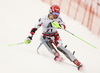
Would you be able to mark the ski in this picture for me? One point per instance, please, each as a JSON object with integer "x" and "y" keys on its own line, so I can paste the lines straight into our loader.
{"x": 80, "y": 67}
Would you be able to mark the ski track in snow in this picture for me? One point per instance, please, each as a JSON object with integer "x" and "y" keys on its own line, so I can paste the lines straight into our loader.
{"x": 17, "y": 17}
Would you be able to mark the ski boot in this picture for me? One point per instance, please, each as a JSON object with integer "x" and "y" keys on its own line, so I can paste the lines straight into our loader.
{"x": 78, "y": 64}
{"x": 58, "y": 57}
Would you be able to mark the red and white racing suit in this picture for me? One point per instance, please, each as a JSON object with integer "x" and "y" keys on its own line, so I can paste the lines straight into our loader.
{"x": 48, "y": 31}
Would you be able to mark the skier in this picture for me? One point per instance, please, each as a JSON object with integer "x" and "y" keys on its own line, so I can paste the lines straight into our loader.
{"x": 52, "y": 35}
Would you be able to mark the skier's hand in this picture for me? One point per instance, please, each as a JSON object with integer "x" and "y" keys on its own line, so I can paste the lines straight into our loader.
{"x": 28, "y": 40}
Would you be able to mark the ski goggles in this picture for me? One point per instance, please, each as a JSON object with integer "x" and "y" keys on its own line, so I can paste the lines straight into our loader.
{"x": 55, "y": 13}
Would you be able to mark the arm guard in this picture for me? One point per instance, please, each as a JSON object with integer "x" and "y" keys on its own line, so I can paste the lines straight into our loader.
{"x": 32, "y": 32}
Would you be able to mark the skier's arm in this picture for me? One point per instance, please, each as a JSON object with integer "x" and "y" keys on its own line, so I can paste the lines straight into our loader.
{"x": 61, "y": 23}
{"x": 63, "y": 26}
{"x": 32, "y": 32}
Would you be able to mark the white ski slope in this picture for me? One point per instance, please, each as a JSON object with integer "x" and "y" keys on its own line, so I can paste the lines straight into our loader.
{"x": 17, "y": 17}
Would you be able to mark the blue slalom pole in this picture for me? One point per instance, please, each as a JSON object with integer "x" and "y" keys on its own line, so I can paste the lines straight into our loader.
{"x": 40, "y": 45}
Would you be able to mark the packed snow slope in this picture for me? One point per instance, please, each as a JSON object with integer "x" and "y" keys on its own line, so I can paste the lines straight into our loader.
{"x": 17, "y": 17}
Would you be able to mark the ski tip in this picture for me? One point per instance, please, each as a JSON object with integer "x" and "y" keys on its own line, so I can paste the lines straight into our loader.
{"x": 80, "y": 67}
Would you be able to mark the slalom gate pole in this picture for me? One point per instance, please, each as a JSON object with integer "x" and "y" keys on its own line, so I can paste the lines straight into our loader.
{"x": 56, "y": 25}
{"x": 16, "y": 44}
{"x": 40, "y": 45}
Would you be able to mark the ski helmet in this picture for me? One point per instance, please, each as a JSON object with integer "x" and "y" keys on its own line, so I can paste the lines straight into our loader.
{"x": 55, "y": 10}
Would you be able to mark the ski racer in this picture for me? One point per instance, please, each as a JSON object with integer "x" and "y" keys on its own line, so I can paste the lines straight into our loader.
{"x": 52, "y": 35}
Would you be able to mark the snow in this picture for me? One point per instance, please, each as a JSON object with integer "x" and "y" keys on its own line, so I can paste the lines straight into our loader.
{"x": 17, "y": 17}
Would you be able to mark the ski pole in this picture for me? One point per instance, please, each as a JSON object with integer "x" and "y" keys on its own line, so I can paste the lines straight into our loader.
{"x": 80, "y": 38}
{"x": 56, "y": 25}
{"x": 16, "y": 44}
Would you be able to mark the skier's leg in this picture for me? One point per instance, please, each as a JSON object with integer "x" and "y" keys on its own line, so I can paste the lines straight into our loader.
{"x": 70, "y": 56}
{"x": 67, "y": 53}
{"x": 49, "y": 46}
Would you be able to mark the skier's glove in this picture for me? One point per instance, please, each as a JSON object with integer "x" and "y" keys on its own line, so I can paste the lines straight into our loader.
{"x": 28, "y": 40}
{"x": 56, "y": 25}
